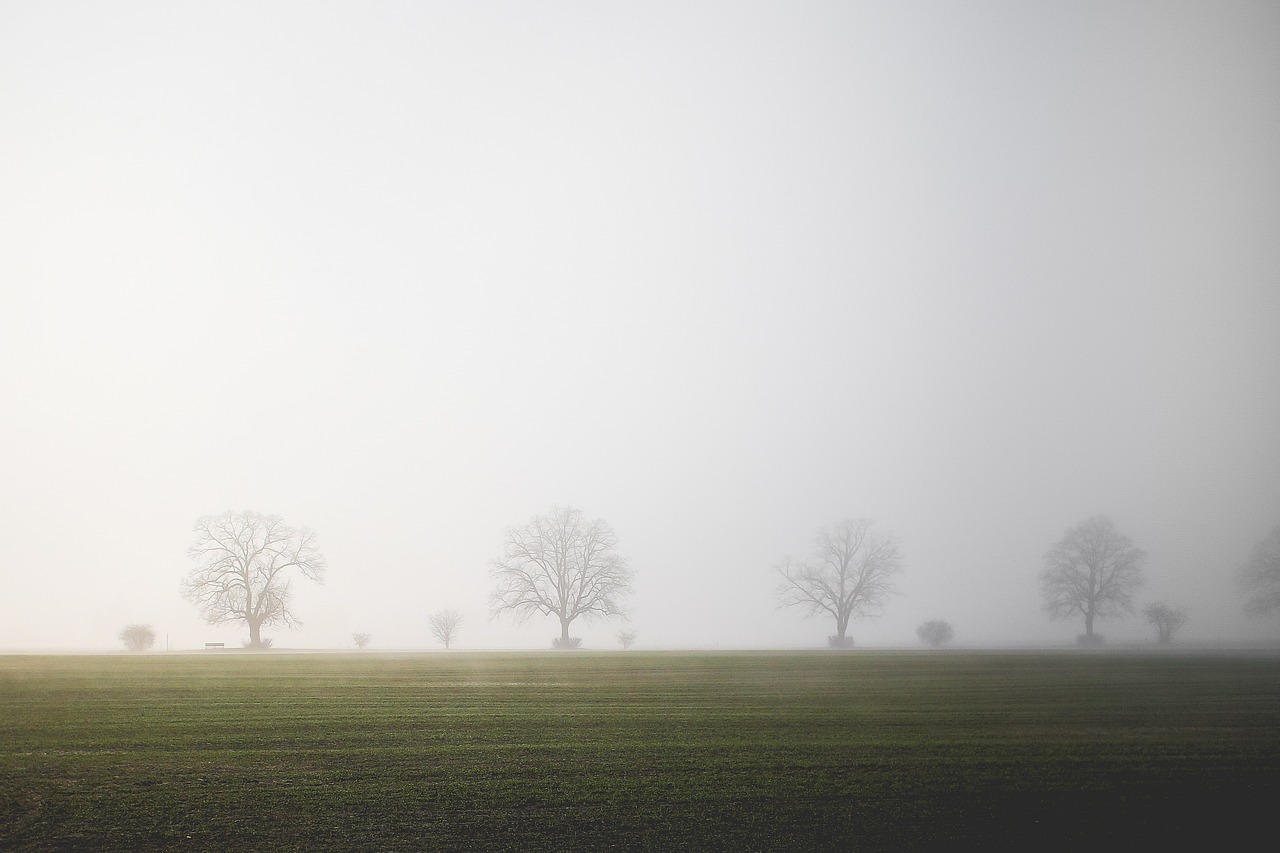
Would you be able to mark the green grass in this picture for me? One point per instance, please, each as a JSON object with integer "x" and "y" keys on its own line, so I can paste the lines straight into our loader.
{"x": 665, "y": 751}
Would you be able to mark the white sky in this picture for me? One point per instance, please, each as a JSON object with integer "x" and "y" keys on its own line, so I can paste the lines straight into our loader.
{"x": 718, "y": 273}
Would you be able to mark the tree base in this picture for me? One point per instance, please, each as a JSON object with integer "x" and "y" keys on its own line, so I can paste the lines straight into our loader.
{"x": 1091, "y": 640}
{"x": 834, "y": 642}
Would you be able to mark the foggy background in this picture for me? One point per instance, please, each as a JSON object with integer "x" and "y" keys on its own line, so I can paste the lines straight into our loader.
{"x": 719, "y": 273}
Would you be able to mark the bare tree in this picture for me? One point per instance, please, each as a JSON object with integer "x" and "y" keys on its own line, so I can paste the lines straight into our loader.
{"x": 935, "y": 632}
{"x": 244, "y": 563}
{"x": 1166, "y": 619}
{"x": 626, "y": 639}
{"x": 361, "y": 639}
{"x": 445, "y": 624}
{"x": 1092, "y": 571}
{"x": 850, "y": 574}
{"x": 1259, "y": 577}
{"x": 561, "y": 565}
{"x": 138, "y": 638}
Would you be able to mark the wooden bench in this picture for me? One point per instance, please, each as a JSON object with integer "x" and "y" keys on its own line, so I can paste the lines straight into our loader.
{"x": 208, "y": 646}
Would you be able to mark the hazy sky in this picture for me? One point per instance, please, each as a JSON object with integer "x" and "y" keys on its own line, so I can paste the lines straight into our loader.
{"x": 719, "y": 273}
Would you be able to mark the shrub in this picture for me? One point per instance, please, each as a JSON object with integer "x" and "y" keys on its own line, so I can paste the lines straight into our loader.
{"x": 571, "y": 643}
{"x": 1091, "y": 639}
{"x": 837, "y": 642}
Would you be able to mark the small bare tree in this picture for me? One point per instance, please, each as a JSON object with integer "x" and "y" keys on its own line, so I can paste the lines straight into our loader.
{"x": 850, "y": 574}
{"x": 935, "y": 632}
{"x": 445, "y": 624}
{"x": 1260, "y": 576}
{"x": 361, "y": 639}
{"x": 138, "y": 638}
{"x": 561, "y": 565}
{"x": 1166, "y": 619}
{"x": 1092, "y": 571}
{"x": 626, "y": 639}
{"x": 244, "y": 562}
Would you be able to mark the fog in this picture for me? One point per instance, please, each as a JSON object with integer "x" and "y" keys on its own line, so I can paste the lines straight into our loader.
{"x": 717, "y": 273}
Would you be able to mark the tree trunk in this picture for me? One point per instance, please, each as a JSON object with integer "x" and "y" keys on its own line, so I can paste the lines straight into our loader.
{"x": 564, "y": 633}
{"x": 1088, "y": 623}
{"x": 255, "y": 634}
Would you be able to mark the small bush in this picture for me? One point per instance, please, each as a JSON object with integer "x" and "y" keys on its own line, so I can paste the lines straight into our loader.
{"x": 838, "y": 642}
{"x": 261, "y": 647}
{"x": 571, "y": 643}
{"x": 1091, "y": 639}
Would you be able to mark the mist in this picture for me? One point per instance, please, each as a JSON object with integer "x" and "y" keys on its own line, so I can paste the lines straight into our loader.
{"x": 717, "y": 273}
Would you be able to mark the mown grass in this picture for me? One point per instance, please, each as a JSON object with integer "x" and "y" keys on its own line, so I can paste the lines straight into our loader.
{"x": 663, "y": 751}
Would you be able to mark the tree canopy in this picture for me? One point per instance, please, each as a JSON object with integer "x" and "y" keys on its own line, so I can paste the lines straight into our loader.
{"x": 1260, "y": 575}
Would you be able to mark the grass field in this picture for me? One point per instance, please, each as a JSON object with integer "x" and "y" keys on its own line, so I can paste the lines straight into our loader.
{"x": 661, "y": 751}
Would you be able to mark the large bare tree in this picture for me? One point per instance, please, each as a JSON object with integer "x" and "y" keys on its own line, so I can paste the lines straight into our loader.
{"x": 1093, "y": 572}
{"x": 1260, "y": 575}
{"x": 850, "y": 574}
{"x": 560, "y": 564}
{"x": 245, "y": 562}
